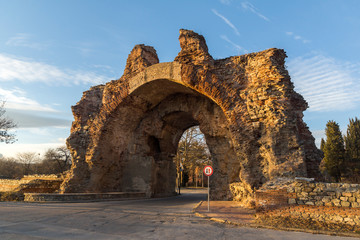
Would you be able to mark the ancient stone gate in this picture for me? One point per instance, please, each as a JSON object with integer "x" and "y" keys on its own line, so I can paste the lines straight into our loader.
{"x": 126, "y": 132}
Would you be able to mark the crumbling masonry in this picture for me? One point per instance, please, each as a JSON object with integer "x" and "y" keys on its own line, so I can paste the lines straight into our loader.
{"x": 126, "y": 132}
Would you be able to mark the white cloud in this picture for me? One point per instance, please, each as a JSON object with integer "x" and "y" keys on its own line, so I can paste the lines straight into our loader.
{"x": 227, "y": 21}
{"x": 318, "y": 135}
{"x": 11, "y": 150}
{"x": 13, "y": 68}
{"x": 252, "y": 8}
{"x": 35, "y": 119}
{"x": 24, "y": 40}
{"x": 325, "y": 83}
{"x": 297, "y": 37}
{"x": 16, "y": 99}
{"x": 236, "y": 46}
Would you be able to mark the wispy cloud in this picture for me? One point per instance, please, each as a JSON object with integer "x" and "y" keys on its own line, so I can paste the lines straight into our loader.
{"x": 16, "y": 99}
{"x": 32, "y": 119}
{"x": 226, "y": 2}
{"x": 24, "y": 40}
{"x": 227, "y": 21}
{"x": 327, "y": 84}
{"x": 297, "y": 37}
{"x": 236, "y": 46}
{"x": 253, "y": 9}
{"x": 13, "y": 68}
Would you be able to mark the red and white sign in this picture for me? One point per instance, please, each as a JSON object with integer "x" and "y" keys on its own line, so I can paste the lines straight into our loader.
{"x": 208, "y": 171}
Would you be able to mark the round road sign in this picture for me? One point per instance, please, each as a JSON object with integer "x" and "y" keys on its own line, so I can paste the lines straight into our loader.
{"x": 208, "y": 171}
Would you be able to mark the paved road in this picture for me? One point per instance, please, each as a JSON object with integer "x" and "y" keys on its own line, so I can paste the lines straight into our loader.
{"x": 167, "y": 218}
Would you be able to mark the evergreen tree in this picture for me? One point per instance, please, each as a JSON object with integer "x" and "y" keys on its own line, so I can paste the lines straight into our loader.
{"x": 322, "y": 145}
{"x": 352, "y": 150}
{"x": 352, "y": 141}
{"x": 334, "y": 151}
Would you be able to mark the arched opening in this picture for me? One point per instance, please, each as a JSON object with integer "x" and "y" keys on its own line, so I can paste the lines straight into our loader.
{"x": 161, "y": 111}
{"x": 192, "y": 156}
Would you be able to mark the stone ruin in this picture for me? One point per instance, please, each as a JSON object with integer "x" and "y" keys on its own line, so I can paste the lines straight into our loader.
{"x": 126, "y": 132}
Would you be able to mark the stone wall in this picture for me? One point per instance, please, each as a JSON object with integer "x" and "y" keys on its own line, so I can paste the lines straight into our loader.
{"x": 325, "y": 194}
{"x": 303, "y": 203}
{"x": 304, "y": 191}
{"x": 8, "y": 185}
{"x": 334, "y": 219}
{"x": 31, "y": 183}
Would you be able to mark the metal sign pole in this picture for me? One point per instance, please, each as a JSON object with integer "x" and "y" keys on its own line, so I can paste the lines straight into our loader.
{"x": 208, "y": 193}
{"x": 208, "y": 171}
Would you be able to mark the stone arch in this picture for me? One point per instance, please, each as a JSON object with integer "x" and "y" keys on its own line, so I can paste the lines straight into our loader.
{"x": 245, "y": 106}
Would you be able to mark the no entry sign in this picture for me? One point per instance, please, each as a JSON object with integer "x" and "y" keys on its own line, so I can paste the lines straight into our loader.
{"x": 208, "y": 171}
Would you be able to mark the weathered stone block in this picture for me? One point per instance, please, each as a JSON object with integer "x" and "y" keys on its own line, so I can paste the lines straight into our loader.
{"x": 345, "y": 204}
{"x": 338, "y": 194}
{"x": 292, "y": 201}
{"x": 328, "y": 204}
{"x": 304, "y": 194}
{"x": 318, "y": 198}
{"x": 344, "y": 198}
{"x": 337, "y": 218}
{"x": 355, "y": 204}
{"x": 352, "y": 199}
{"x": 347, "y": 194}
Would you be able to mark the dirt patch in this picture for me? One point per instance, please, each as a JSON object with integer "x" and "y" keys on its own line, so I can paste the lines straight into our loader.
{"x": 226, "y": 211}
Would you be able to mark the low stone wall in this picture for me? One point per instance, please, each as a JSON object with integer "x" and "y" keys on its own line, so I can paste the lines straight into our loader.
{"x": 333, "y": 219}
{"x": 32, "y": 183}
{"x": 9, "y": 185}
{"x": 303, "y": 203}
{"x": 325, "y": 194}
{"x": 74, "y": 197}
{"x": 304, "y": 191}
{"x": 42, "y": 177}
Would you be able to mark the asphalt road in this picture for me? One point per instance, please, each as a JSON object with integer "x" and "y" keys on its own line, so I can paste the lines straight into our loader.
{"x": 166, "y": 218}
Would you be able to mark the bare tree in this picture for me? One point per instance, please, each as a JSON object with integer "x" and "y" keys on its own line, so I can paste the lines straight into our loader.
{"x": 9, "y": 168}
{"x": 65, "y": 155}
{"x": 6, "y": 124}
{"x": 192, "y": 155}
{"x": 56, "y": 160}
{"x": 28, "y": 159}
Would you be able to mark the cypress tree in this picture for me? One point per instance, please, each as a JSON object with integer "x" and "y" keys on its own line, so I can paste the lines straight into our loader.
{"x": 322, "y": 145}
{"x": 334, "y": 151}
{"x": 352, "y": 142}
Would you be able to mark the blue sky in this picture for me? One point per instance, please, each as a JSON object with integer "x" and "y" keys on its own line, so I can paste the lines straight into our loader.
{"x": 52, "y": 51}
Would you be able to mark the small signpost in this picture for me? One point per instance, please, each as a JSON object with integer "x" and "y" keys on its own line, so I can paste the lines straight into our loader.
{"x": 208, "y": 171}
